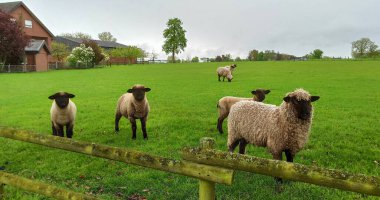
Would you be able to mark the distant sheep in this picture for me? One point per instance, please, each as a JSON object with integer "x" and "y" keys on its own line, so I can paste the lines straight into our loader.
{"x": 62, "y": 113}
{"x": 283, "y": 128}
{"x": 133, "y": 105}
{"x": 225, "y": 72}
{"x": 225, "y": 103}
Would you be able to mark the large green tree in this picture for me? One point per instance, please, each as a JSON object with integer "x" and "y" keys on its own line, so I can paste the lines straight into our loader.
{"x": 364, "y": 48}
{"x": 316, "y": 54}
{"x": 78, "y": 35}
{"x": 175, "y": 40}
{"x": 106, "y": 36}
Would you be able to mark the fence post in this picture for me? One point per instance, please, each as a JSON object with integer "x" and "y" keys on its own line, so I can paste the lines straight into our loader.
{"x": 9, "y": 68}
{"x": 207, "y": 188}
{"x": 2, "y": 191}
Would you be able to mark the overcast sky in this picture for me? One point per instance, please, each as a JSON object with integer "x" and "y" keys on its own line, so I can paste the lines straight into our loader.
{"x": 217, "y": 27}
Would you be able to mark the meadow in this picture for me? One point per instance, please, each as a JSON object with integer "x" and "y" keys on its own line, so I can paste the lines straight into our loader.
{"x": 345, "y": 132}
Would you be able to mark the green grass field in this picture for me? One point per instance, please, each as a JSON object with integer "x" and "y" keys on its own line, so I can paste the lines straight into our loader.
{"x": 345, "y": 132}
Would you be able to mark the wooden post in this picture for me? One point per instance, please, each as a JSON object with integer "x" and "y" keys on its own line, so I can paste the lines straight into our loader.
{"x": 2, "y": 196}
{"x": 206, "y": 188}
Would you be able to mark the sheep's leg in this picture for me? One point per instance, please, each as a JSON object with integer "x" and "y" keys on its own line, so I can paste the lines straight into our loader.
{"x": 289, "y": 155}
{"x": 53, "y": 128}
{"x": 233, "y": 145}
{"x": 143, "y": 127}
{"x": 223, "y": 78}
{"x": 220, "y": 122}
{"x": 242, "y": 145}
{"x": 218, "y": 78}
{"x": 117, "y": 119}
{"x": 60, "y": 131}
{"x": 277, "y": 156}
{"x": 69, "y": 130}
{"x": 134, "y": 127}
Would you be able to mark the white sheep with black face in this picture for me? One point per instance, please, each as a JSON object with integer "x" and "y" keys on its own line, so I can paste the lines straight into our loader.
{"x": 283, "y": 128}
{"x": 133, "y": 105}
{"x": 62, "y": 113}
{"x": 225, "y": 72}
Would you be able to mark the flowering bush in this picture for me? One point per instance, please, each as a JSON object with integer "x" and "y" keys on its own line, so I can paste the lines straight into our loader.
{"x": 81, "y": 54}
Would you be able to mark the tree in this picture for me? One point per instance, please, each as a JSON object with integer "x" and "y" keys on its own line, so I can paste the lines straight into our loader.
{"x": 77, "y": 35}
{"x": 81, "y": 54}
{"x": 253, "y": 55}
{"x": 59, "y": 51}
{"x": 195, "y": 59}
{"x": 175, "y": 40}
{"x": 238, "y": 59}
{"x": 153, "y": 55}
{"x": 99, "y": 56}
{"x": 363, "y": 48}
{"x": 12, "y": 40}
{"x": 106, "y": 36}
{"x": 316, "y": 54}
{"x": 218, "y": 59}
{"x": 130, "y": 52}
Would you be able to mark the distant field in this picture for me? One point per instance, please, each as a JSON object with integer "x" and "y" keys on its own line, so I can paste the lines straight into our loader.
{"x": 345, "y": 133}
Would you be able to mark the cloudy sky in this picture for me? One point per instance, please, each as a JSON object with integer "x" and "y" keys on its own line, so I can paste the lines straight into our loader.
{"x": 217, "y": 27}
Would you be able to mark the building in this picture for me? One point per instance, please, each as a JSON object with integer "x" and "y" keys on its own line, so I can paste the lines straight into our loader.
{"x": 38, "y": 51}
{"x": 107, "y": 45}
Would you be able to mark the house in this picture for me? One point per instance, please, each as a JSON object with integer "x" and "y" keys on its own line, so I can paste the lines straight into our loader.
{"x": 106, "y": 45}
{"x": 38, "y": 51}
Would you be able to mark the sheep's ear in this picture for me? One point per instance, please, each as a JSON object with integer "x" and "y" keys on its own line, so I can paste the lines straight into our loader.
{"x": 267, "y": 91}
{"x": 52, "y": 96}
{"x": 130, "y": 91}
{"x": 287, "y": 99}
{"x": 314, "y": 98}
{"x": 147, "y": 89}
{"x": 253, "y": 92}
{"x": 70, "y": 95}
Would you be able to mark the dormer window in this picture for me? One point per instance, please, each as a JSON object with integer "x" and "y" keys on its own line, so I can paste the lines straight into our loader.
{"x": 28, "y": 23}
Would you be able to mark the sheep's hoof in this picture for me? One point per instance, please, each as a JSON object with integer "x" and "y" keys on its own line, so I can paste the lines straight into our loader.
{"x": 279, "y": 188}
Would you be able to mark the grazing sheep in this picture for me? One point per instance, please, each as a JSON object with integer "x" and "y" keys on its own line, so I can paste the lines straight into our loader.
{"x": 62, "y": 113}
{"x": 225, "y": 103}
{"x": 225, "y": 72}
{"x": 283, "y": 128}
{"x": 133, "y": 105}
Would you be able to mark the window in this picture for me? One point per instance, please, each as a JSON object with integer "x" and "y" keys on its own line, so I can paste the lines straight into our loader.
{"x": 28, "y": 23}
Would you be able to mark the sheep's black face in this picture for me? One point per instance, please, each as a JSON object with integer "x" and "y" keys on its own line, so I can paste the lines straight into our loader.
{"x": 61, "y": 98}
{"x": 139, "y": 92}
{"x": 303, "y": 108}
{"x": 260, "y": 94}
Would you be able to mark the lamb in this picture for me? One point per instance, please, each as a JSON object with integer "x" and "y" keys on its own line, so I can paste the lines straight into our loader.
{"x": 225, "y": 103}
{"x": 283, "y": 128}
{"x": 62, "y": 113}
{"x": 226, "y": 72}
{"x": 133, "y": 105}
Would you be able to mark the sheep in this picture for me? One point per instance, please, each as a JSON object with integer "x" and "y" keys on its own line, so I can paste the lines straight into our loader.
{"x": 62, "y": 113}
{"x": 225, "y": 72}
{"x": 231, "y": 67}
{"x": 133, "y": 105}
{"x": 225, "y": 103}
{"x": 283, "y": 128}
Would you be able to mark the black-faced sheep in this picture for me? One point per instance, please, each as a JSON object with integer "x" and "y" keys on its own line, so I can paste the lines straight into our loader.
{"x": 225, "y": 72}
{"x": 62, "y": 113}
{"x": 133, "y": 105}
{"x": 283, "y": 128}
{"x": 225, "y": 103}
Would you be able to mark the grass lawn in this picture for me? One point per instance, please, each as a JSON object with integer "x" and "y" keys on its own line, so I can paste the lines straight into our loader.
{"x": 345, "y": 132}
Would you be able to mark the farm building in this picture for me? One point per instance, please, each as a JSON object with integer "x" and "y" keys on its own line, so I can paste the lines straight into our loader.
{"x": 38, "y": 51}
{"x": 106, "y": 45}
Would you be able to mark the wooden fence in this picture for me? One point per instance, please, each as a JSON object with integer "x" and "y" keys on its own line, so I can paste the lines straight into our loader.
{"x": 206, "y": 164}
{"x": 17, "y": 68}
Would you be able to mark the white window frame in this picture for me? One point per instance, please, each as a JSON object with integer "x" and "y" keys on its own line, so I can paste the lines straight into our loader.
{"x": 27, "y": 24}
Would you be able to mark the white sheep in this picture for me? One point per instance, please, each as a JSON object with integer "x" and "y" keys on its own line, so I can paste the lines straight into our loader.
{"x": 283, "y": 128}
{"x": 225, "y": 103}
{"x": 62, "y": 113}
{"x": 133, "y": 105}
{"x": 225, "y": 72}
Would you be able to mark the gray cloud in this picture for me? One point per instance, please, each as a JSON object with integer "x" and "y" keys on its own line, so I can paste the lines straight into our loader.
{"x": 224, "y": 26}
